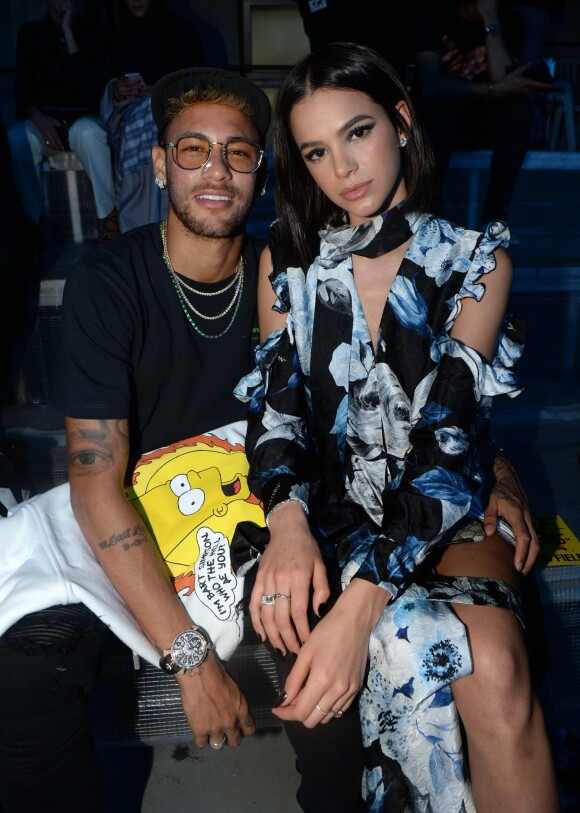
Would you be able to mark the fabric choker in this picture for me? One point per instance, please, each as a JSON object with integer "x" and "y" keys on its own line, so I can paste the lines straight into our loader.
{"x": 370, "y": 239}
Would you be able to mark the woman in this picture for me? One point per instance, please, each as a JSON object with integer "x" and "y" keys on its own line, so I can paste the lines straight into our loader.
{"x": 367, "y": 440}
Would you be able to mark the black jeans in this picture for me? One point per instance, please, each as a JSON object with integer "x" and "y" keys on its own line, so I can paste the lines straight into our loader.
{"x": 458, "y": 122}
{"x": 329, "y": 759}
{"x": 47, "y": 759}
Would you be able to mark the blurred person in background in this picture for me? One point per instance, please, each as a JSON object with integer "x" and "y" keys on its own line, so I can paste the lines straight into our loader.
{"x": 472, "y": 94}
{"x": 60, "y": 73}
{"x": 147, "y": 42}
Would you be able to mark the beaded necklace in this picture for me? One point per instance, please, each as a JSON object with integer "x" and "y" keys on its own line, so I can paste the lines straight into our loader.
{"x": 184, "y": 301}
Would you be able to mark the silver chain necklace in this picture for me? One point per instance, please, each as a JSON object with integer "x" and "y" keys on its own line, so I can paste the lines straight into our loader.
{"x": 184, "y": 301}
{"x": 233, "y": 281}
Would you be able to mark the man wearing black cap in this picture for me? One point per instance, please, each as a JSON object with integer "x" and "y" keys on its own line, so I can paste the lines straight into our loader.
{"x": 158, "y": 328}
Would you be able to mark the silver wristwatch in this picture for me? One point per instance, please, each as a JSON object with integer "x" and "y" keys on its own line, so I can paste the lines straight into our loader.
{"x": 188, "y": 651}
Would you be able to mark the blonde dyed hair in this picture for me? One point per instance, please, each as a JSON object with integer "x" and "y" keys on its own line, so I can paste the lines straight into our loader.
{"x": 208, "y": 96}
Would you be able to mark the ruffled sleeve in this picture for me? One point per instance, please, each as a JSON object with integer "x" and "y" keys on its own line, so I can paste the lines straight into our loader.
{"x": 277, "y": 443}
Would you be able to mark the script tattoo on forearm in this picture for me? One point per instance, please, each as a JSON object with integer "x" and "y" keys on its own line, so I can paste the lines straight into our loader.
{"x": 127, "y": 539}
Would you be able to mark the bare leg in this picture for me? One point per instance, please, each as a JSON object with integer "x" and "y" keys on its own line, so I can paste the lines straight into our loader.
{"x": 509, "y": 754}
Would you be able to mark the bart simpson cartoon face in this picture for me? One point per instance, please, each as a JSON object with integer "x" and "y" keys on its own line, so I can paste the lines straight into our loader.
{"x": 177, "y": 496}
{"x": 190, "y": 490}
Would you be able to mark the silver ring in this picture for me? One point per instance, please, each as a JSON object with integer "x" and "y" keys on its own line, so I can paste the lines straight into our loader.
{"x": 283, "y": 595}
{"x": 269, "y": 600}
{"x": 217, "y": 746}
{"x": 338, "y": 712}
{"x": 322, "y": 710}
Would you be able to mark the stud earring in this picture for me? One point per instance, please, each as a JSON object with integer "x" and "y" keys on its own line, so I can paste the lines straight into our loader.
{"x": 160, "y": 183}
{"x": 403, "y": 141}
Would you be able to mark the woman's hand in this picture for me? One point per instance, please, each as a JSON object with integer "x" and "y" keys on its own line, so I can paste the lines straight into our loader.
{"x": 290, "y": 565}
{"x": 330, "y": 667}
{"x": 508, "y": 500}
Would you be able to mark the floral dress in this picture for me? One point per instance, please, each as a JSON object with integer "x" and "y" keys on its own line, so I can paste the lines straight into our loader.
{"x": 388, "y": 448}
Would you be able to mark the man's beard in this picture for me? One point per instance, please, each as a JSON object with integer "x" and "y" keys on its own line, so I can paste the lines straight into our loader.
{"x": 208, "y": 226}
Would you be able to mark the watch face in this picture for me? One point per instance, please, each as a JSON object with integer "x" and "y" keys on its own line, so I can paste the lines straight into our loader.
{"x": 189, "y": 649}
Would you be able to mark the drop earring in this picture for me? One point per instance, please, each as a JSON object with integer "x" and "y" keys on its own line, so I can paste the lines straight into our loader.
{"x": 403, "y": 141}
{"x": 160, "y": 183}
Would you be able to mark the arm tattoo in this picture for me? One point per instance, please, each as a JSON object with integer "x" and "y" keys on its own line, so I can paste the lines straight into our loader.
{"x": 129, "y": 538}
{"x": 92, "y": 448}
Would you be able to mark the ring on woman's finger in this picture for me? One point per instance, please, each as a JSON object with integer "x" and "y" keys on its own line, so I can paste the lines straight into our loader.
{"x": 283, "y": 595}
{"x": 269, "y": 600}
{"x": 217, "y": 746}
{"x": 337, "y": 712}
{"x": 322, "y": 710}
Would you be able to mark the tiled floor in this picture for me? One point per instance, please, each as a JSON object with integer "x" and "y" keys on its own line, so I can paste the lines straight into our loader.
{"x": 258, "y": 776}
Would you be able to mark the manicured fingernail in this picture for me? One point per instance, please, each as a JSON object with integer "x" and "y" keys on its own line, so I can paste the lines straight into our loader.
{"x": 280, "y": 699}
{"x": 519, "y": 566}
{"x": 259, "y": 637}
{"x": 280, "y": 654}
{"x": 321, "y": 609}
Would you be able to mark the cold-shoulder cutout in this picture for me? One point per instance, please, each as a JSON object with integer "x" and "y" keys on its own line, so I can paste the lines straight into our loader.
{"x": 269, "y": 318}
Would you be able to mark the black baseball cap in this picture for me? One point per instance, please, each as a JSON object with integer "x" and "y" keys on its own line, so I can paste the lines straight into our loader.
{"x": 175, "y": 84}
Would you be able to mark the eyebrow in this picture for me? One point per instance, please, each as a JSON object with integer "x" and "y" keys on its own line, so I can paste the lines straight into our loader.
{"x": 346, "y": 126}
{"x": 195, "y": 134}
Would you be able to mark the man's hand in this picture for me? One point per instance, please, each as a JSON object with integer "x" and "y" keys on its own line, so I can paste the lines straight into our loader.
{"x": 48, "y": 127}
{"x": 508, "y": 500}
{"x": 289, "y": 567}
{"x": 214, "y": 705}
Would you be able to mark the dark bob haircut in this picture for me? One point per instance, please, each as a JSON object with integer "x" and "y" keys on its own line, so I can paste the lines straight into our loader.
{"x": 302, "y": 208}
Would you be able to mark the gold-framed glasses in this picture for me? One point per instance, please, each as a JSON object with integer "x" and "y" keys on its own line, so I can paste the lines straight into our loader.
{"x": 194, "y": 151}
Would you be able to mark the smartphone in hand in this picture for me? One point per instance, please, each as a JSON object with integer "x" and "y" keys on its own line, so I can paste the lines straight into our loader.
{"x": 134, "y": 77}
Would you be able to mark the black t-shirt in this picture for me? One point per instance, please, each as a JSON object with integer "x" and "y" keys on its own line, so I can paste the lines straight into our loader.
{"x": 128, "y": 350}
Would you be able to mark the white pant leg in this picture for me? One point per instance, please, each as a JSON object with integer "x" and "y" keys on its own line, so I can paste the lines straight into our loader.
{"x": 28, "y": 151}
{"x": 88, "y": 138}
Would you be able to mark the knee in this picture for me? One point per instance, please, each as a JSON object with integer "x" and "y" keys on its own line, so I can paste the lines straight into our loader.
{"x": 501, "y": 688}
{"x": 86, "y": 131}
{"x": 18, "y": 135}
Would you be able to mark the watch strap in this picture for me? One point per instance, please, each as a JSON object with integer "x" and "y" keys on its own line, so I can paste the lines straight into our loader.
{"x": 169, "y": 665}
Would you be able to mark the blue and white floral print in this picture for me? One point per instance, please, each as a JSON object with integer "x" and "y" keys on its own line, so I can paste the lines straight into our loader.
{"x": 391, "y": 433}
{"x": 416, "y": 650}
